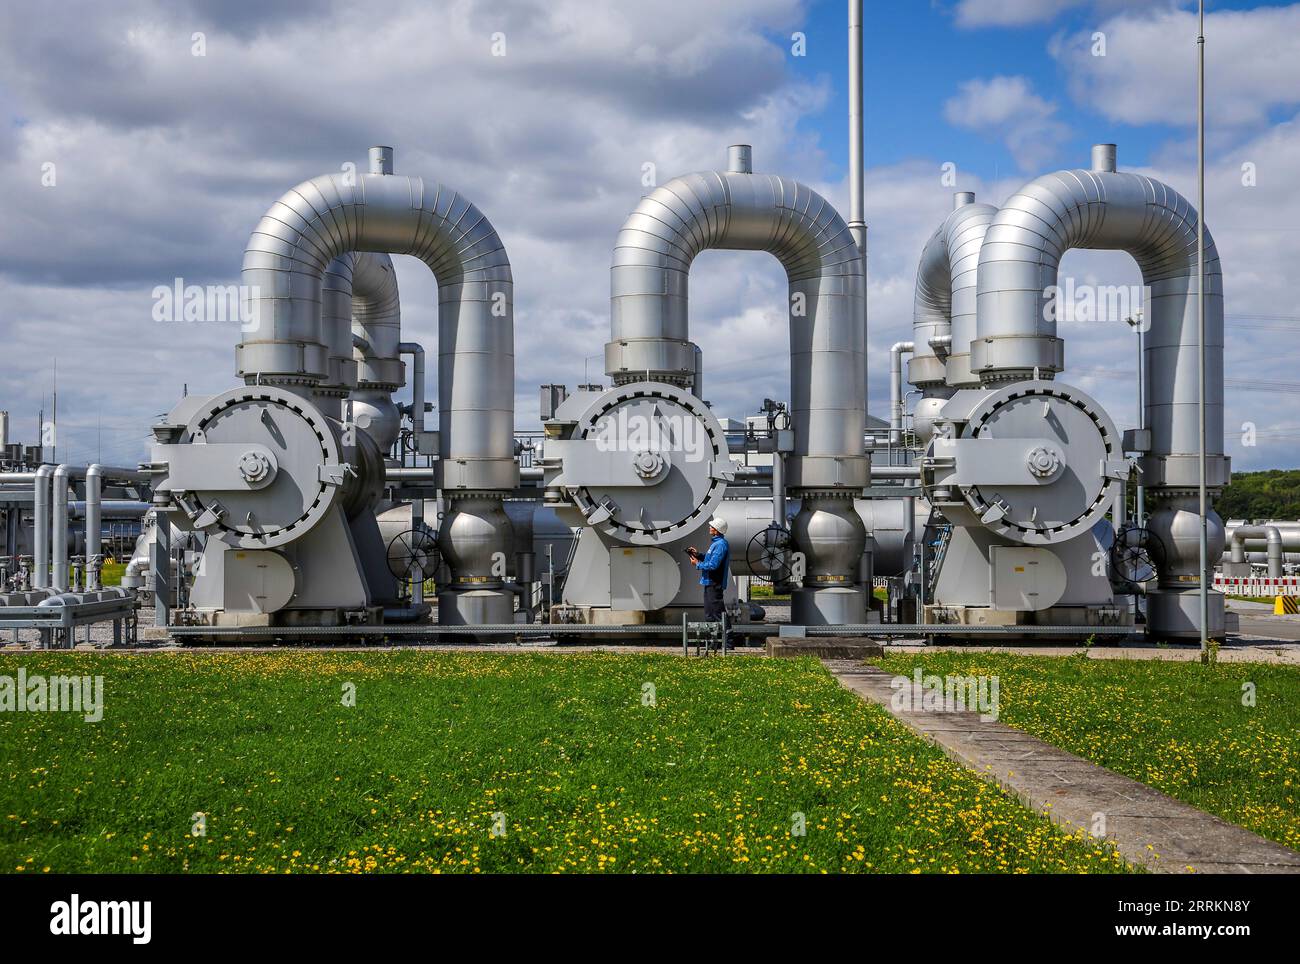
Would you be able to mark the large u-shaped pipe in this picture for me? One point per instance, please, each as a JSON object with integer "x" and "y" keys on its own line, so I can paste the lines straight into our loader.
{"x": 1237, "y": 544}
{"x": 896, "y": 407}
{"x": 1107, "y": 209}
{"x": 283, "y": 275}
{"x": 1103, "y": 208}
{"x": 740, "y": 210}
{"x": 285, "y": 265}
{"x": 943, "y": 312}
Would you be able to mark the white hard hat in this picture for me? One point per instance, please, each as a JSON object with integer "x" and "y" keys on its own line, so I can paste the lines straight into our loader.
{"x": 719, "y": 524}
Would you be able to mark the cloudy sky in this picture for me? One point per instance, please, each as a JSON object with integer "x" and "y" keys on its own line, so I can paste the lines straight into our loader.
{"x": 141, "y": 140}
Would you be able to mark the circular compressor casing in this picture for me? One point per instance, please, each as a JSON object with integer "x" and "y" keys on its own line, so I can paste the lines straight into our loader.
{"x": 677, "y": 464}
{"x": 270, "y": 505}
{"x": 1046, "y": 472}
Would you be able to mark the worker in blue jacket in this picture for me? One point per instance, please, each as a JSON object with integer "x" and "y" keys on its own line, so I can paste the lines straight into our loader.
{"x": 714, "y": 567}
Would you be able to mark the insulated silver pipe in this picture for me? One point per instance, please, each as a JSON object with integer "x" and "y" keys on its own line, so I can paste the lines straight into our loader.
{"x": 63, "y": 477}
{"x": 94, "y": 529}
{"x": 361, "y": 314}
{"x": 284, "y": 267}
{"x": 95, "y": 474}
{"x": 896, "y": 352}
{"x": 931, "y": 311}
{"x": 1237, "y": 543}
{"x": 416, "y": 351}
{"x": 1018, "y": 271}
{"x": 945, "y": 300}
{"x": 895, "y": 472}
{"x": 41, "y": 527}
{"x": 1018, "y": 295}
{"x": 1016, "y": 337}
{"x": 758, "y": 212}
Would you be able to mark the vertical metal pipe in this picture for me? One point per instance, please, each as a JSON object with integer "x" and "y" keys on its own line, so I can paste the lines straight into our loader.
{"x": 1104, "y": 158}
{"x": 381, "y": 160}
{"x": 740, "y": 159}
{"x": 62, "y": 477}
{"x": 41, "y": 527}
{"x": 857, "y": 166}
{"x": 896, "y": 352}
{"x": 778, "y": 487}
{"x": 1200, "y": 327}
{"x": 417, "y": 425}
{"x": 94, "y": 492}
{"x": 416, "y": 351}
{"x": 1140, "y": 516}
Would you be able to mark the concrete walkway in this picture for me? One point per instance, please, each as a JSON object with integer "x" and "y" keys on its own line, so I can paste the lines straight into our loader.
{"x": 1236, "y": 650}
{"x": 1149, "y": 828}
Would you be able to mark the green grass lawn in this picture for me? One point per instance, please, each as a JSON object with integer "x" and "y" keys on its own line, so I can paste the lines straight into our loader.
{"x": 110, "y": 573}
{"x": 559, "y": 750}
{"x": 1176, "y": 725}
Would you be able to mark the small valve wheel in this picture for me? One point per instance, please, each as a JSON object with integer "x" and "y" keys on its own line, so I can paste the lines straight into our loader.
{"x": 648, "y": 464}
{"x": 1044, "y": 462}
{"x": 254, "y": 467}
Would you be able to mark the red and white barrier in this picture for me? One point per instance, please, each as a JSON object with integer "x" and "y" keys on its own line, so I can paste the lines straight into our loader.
{"x": 1257, "y": 585}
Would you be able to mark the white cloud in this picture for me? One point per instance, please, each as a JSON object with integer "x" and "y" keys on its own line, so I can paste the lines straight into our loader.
{"x": 1024, "y": 13}
{"x": 1007, "y": 108}
{"x": 1148, "y": 73}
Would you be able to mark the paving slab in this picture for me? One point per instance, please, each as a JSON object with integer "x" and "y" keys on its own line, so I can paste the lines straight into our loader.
{"x": 824, "y": 647}
{"x": 1148, "y": 827}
